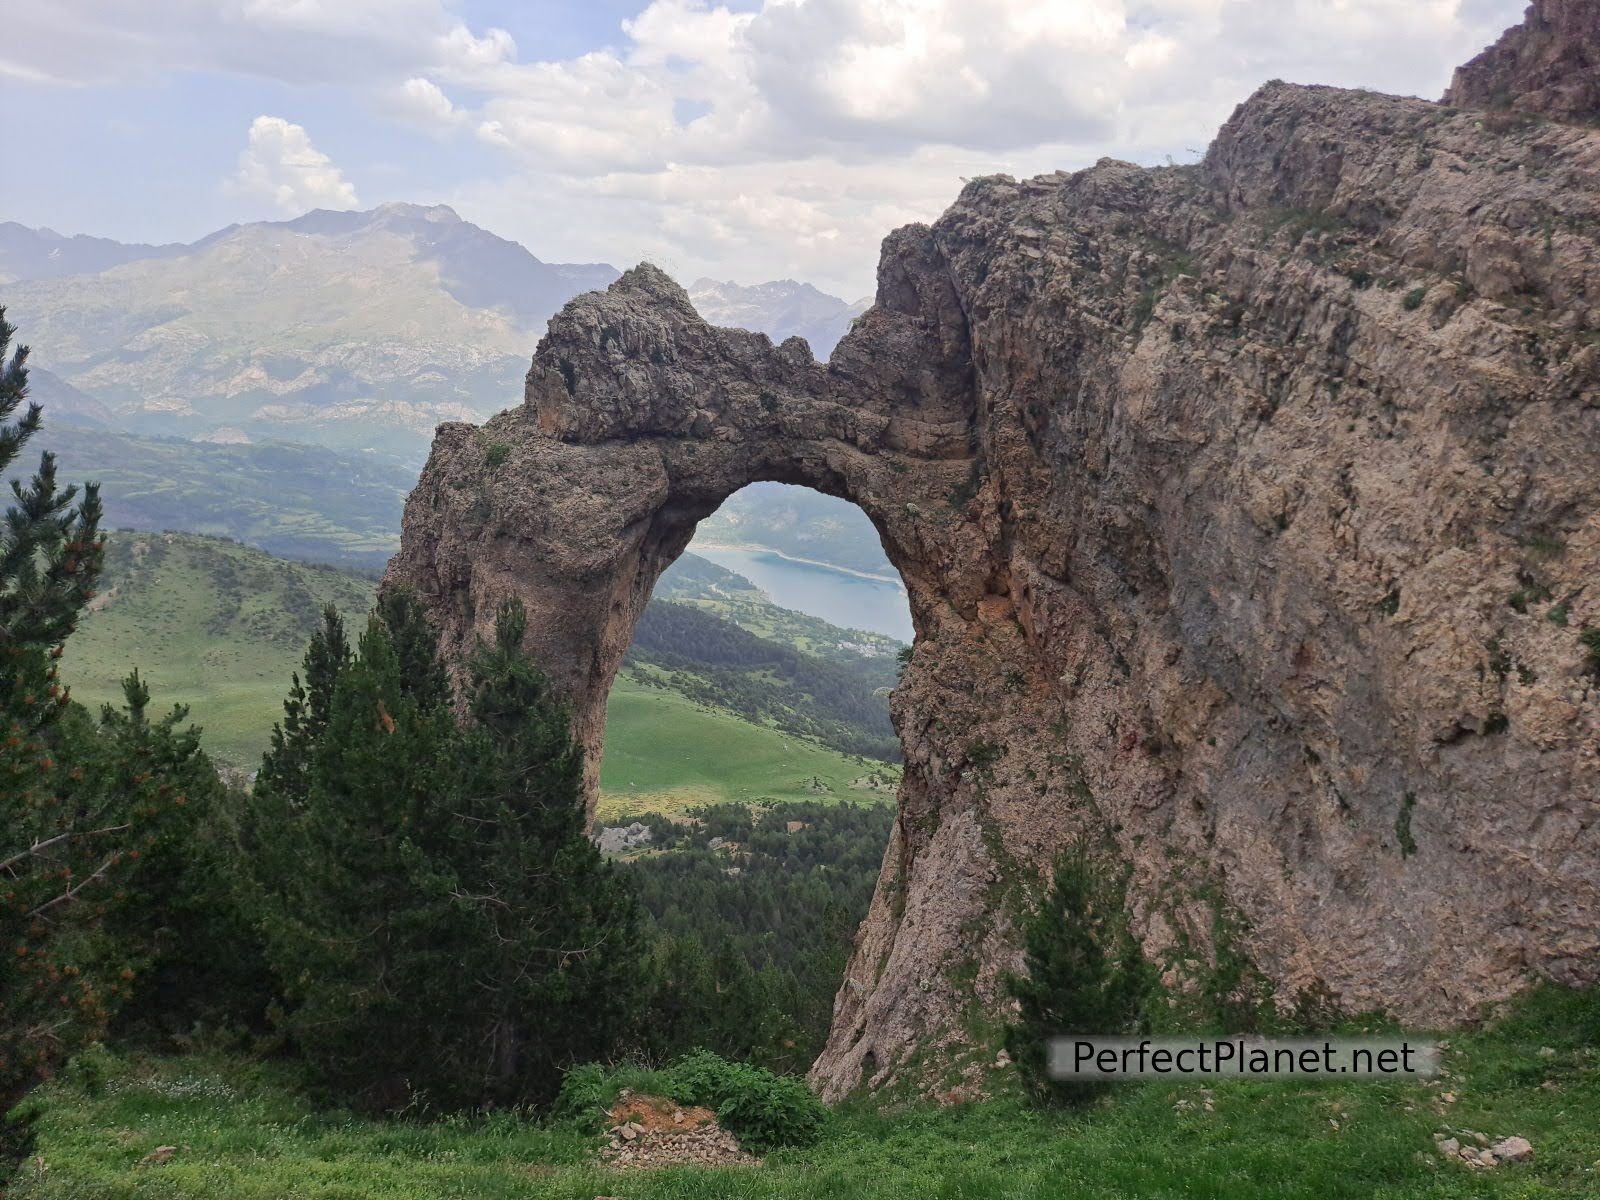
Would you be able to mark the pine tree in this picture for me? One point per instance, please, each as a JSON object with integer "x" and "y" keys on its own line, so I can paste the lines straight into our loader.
{"x": 360, "y": 925}
{"x": 82, "y": 807}
{"x": 416, "y": 646}
{"x": 443, "y": 931}
{"x": 285, "y": 766}
{"x": 50, "y": 557}
{"x": 56, "y": 844}
{"x": 1086, "y": 974}
{"x": 566, "y": 928}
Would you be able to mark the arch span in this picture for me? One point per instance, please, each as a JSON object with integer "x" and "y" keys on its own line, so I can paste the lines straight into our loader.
{"x": 639, "y": 421}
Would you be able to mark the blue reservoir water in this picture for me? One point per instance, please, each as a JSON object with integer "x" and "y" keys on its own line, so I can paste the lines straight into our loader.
{"x": 838, "y": 597}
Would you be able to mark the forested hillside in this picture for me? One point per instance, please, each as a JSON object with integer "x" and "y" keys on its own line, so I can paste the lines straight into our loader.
{"x": 291, "y": 500}
{"x": 757, "y": 909}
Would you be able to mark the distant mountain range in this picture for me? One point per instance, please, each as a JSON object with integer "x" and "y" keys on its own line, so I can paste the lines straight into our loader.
{"x": 347, "y": 330}
{"x": 780, "y": 310}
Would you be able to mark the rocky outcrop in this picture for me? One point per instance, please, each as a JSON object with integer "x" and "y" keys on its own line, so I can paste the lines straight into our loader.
{"x": 1250, "y": 518}
{"x": 1550, "y": 64}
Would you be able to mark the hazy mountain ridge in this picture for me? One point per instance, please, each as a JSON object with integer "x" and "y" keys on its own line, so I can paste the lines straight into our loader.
{"x": 353, "y": 330}
{"x": 780, "y": 309}
{"x": 27, "y": 253}
{"x": 360, "y": 329}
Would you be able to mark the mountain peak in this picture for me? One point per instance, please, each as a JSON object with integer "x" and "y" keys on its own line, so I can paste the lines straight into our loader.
{"x": 779, "y": 308}
{"x": 441, "y": 213}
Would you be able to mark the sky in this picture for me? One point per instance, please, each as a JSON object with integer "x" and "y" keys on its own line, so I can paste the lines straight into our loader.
{"x": 750, "y": 141}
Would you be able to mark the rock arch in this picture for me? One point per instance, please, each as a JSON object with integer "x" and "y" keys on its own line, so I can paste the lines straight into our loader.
{"x": 640, "y": 420}
{"x": 1208, "y": 545}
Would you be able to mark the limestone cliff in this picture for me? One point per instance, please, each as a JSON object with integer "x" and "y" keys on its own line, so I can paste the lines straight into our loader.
{"x": 1250, "y": 516}
{"x": 1549, "y": 64}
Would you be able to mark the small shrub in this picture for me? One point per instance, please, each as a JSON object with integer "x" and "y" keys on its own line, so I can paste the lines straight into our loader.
{"x": 1414, "y": 298}
{"x": 762, "y": 1109}
{"x": 1590, "y": 637}
{"x": 1402, "y": 825}
{"x": 962, "y": 494}
{"x": 1499, "y": 657}
{"x": 1086, "y": 975}
{"x": 1528, "y": 593}
{"x": 581, "y": 1100}
{"x": 984, "y": 754}
{"x": 495, "y": 456}
{"x": 1543, "y": 545}
{"x": 1557, "y": 615}
{"x": 92, "y": 1067}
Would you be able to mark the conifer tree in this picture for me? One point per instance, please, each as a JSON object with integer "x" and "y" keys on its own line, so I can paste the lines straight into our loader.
{"x": 57, "y": 844}
{"x": 1086, "y": 974}
{"x": 84, "y": 809}
{"x": 360, "y": 925}
{"x": 443, "y": 931}
{"x": 50, "y": 557}
{"x": 565, "y": 925}
{"x": 284, "y": 768}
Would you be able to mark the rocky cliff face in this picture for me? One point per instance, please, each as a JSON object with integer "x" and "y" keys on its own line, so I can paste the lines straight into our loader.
{"x": 1550, "y": 64}
{"x": 1248, "y": 513}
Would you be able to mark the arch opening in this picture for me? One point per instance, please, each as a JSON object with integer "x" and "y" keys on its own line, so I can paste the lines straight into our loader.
{"x": 761, "y": 665}
{"x": 749, "y": 762}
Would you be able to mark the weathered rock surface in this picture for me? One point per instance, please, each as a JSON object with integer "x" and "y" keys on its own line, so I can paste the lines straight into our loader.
{"x": 1249, "y": 514}
{"x": 1550, "y": 64}
{"x": 618, "y": 839}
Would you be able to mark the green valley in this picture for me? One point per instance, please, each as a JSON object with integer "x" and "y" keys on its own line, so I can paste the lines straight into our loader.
{"x": 666, "y": 753}
{"x": 210, "y": 624}
{"x": 220, "y": 627}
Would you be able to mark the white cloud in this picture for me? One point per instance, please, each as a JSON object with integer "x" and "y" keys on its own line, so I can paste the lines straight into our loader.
{"x": 786, "y": 139}
{"x": 360, "y": 42}
{"x": 281, "y": 164}
{"x": 422, "y": 102}
{"x": 462, "y": 52}
{"x": 821, "y": 124}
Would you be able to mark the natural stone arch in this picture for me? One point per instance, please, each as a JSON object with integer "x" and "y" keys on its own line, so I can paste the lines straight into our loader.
{"x": 599, "y": 487}
{"x": 1208, "y": 547}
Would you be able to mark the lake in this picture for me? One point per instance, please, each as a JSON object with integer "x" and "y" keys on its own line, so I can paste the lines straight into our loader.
{"x": 838, "y": 597}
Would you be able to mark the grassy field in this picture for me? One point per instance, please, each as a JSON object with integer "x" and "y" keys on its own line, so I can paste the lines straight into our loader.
{"x": 242, "y": 1131}
{"x": 221, "y": 627}
{"x": 664, "y": 753}
{"x": 211, "y": 624}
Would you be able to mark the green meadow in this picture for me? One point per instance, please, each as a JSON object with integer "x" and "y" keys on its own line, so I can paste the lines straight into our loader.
{"x": 665, "y": 753}
{"x": 244, "y": 1130}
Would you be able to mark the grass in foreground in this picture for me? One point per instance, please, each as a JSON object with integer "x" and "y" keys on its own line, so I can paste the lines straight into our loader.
{"x": 242, "y": 1132}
